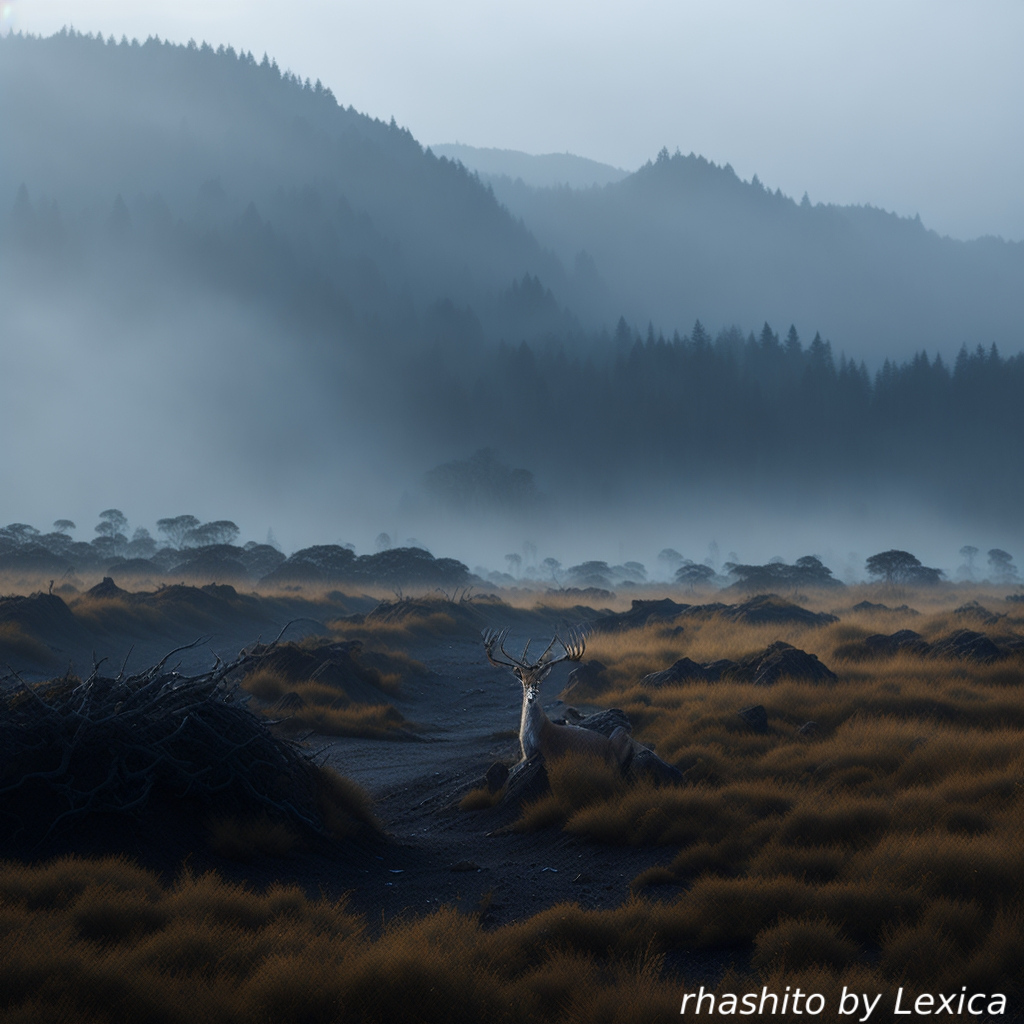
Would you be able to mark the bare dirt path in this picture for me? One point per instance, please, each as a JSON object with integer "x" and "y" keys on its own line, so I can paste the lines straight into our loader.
{"x": 439, "y": 854}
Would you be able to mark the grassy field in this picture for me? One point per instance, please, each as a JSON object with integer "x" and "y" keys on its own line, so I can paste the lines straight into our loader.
{"x": 888, "y": 840}
{"x": 883, "y": 848}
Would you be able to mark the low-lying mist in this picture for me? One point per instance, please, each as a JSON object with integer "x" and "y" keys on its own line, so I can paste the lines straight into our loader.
{"x": 236, "y": 299}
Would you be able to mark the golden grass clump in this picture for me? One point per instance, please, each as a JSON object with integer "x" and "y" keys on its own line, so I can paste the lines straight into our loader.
{"x": 481, "y": 798}
{"x": 793, "y": 945}
{"x": 326, "y": 709}
{"x": 370, "y": 721}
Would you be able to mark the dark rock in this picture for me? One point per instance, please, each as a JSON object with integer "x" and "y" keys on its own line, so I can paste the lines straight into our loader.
{"x": 967, "y": 645}
{"x": 590, "y": 674}
{"x": 496, "y": 776}
{"x": 290, "y": 701}
{"x": 465, "y": 865}
{"x": 774, "y": 610}
{"x": 717, "y": 669}
{"x": 646, "y": 763}
{"x": 880, "y": 645}
{"x": 642, "y": 613}
{"x": 756, "y": 717}
{"x": 977, "y": 613}
{"x": 607, "y": 721}
{"x": 573, "y": 716}
{"x": 783, "y": 661}
{"x": 869, "y": 606}
{"x": 683, "y": 671}
{"x": 527, "y": 781}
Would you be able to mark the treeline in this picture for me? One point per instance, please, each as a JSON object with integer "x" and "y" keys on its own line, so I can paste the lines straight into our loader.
{"x": 191, "y": 549}
{"x": 753, "y": 408}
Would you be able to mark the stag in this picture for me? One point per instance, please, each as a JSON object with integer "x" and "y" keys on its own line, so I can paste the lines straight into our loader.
{"x": 537, "y": 733}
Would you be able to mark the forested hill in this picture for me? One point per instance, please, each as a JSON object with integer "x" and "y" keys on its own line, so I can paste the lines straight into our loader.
{"x": 215, "y": 280}
{"x": 205, "y": 152}
{"x": 683, "y": 238}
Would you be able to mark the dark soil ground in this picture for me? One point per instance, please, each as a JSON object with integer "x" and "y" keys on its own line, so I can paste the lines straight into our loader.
{"x": 468, "y": 716}
{"x": 432, "y": 853}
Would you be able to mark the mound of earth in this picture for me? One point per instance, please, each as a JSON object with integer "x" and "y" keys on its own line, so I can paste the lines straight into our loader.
{"x": 44, "y": 618}
{"x": 642, "y": 613}
{"x": 774, "y": 610}
{"x": 323, "y": 661}
{"x": 880, "y": 645}
{"x": 764, "y": 609}
{"x": 870, "y": 606}
{"x": 967, "y": 645}
{"x": 683, "y": 671}
{"x": 107, "y": 588}
{"x": 589, "y": 674}
{"x": 976, "y": 612}
{"x": 409, "y": 612}
{"x": 778, "y": 661}
{"x": 783, "y": 661}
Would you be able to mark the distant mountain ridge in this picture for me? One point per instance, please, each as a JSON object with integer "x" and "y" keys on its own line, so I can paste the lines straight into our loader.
{"x": 403, "y": 239}
{"x": 546, "y": 170}
{"x": 683, "y": 238}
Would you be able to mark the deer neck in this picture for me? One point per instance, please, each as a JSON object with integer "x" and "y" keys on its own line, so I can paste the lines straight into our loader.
{"x": 533, "y": 722}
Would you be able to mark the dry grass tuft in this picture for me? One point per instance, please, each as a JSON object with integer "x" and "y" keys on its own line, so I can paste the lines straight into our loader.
{"x": 481, "y": 798}
{"x": 370, "y": 721}
{"x": 795, "y": 945}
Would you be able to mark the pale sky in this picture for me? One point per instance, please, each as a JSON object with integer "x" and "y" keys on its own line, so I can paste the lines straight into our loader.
{"x": 916, "y": 106}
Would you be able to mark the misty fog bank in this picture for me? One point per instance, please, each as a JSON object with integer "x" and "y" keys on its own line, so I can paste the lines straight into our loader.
{"x": 222, "y": 292}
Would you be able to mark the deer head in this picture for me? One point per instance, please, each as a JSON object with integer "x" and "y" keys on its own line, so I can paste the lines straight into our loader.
{"x": 532, "y": 673}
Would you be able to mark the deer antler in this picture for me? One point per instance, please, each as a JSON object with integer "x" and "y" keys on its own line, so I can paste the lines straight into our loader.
{"x": 574, "y": 645}
{"x": 572, "y": 650}
{"x": 492, "y": 637}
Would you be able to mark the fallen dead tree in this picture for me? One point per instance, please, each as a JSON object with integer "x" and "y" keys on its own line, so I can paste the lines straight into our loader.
{"x": 71, "y": 748}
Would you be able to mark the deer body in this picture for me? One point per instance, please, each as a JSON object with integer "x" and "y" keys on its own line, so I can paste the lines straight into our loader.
{"x": 537, "y": 733}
